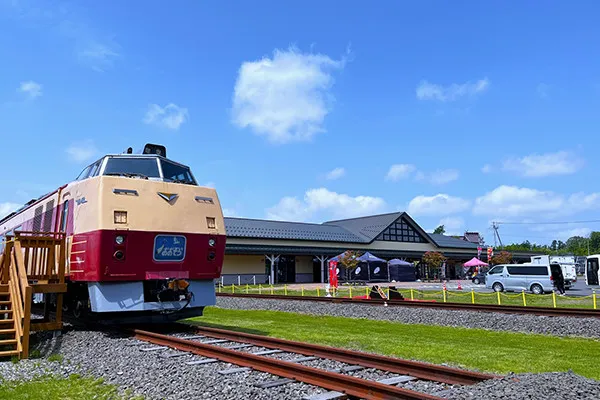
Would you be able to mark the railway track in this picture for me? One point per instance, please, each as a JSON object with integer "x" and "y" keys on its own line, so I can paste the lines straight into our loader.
{"x": 532, "y": 310}
{"x": 231, "y": 347}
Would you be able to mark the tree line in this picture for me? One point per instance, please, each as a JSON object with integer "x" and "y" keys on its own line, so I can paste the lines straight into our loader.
{"x": 575, "y": 245}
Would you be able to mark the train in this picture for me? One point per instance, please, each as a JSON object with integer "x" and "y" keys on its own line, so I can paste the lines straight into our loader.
{"x": 144, "y": 241}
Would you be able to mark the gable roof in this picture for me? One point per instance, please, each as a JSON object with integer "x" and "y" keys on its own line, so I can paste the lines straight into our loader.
{"x": 449, "y": 241}
{"x": 361, "y": 230}
{"x": 267, "y": 229}
{"x": 369, "y": 227}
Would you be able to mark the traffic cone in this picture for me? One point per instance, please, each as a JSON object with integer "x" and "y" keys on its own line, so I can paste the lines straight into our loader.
{"x": 459, "y": 286}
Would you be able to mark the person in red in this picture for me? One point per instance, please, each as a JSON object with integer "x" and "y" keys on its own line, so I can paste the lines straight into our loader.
{"x": 333, "y": 281}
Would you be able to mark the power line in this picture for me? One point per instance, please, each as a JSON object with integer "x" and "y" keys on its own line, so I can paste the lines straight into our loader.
{"x": 549, "y": 223}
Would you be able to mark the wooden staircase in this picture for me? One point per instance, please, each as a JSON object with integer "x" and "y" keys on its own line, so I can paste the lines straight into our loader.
{"x": 32, "y": 262}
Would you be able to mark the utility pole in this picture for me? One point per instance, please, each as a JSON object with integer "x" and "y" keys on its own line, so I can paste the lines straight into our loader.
{"x": 495, "y": 227}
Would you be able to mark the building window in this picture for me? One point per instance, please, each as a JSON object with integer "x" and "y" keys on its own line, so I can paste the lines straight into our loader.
{"x": 401, "y": 231}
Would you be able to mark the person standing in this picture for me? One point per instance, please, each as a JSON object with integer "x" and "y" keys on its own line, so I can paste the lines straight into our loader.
{"x": 559, "y": 278}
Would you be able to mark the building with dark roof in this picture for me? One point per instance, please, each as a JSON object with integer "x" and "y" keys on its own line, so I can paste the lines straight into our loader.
{"x": 259, "y": 250}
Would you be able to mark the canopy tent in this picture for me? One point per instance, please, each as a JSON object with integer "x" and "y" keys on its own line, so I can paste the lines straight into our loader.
{"x": 401, "y": 271}
{"x": 396, "y": 261}
{"x": 474, "y": 263}
{"x": 371, "y": 268}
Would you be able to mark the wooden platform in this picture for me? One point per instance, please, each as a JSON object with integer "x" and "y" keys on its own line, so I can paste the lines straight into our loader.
{"x": 32, "y": 262}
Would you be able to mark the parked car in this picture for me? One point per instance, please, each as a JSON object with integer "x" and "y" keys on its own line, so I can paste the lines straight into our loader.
{"x": 536, "y": 278}
{"x": 479, "y": 278}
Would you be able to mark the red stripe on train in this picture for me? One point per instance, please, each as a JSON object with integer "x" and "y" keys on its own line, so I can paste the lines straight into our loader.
{"x": 94, "y": 258}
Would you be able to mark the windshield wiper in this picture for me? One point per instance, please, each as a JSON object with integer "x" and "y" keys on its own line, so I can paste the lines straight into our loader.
{"x": 127, "y": 174}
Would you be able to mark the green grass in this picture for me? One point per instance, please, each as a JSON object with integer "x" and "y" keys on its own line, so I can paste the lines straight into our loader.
{"x": 496, "y": 352}
{"x": 51, "y": 388}
{"x": 455, "y": 296}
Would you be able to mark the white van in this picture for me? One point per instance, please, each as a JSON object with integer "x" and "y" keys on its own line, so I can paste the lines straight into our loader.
{"x": 536, "y": 278}
{"x": 567, "y": 264}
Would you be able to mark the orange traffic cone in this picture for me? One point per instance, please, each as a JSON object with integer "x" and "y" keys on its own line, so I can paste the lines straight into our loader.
{"x": 459, "y": 286}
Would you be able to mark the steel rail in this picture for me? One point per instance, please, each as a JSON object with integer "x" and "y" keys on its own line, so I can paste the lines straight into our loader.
{"x": 416, "y": 369}
{"x": 349, "y": 385}
{"x": 544, "y": 311}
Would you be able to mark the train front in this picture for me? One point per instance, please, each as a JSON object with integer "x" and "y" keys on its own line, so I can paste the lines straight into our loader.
{"x": 160, "y": 243}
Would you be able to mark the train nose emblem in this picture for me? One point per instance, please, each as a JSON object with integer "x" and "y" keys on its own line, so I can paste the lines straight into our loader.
{"x": 168, "y": 197}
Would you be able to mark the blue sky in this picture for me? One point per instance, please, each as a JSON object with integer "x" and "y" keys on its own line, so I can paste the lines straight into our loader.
{"x": 459, "y": 113}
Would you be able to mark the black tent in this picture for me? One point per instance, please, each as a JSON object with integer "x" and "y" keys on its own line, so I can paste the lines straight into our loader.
{"x": 401, "y": 271}
{"x": 375, "y": 268}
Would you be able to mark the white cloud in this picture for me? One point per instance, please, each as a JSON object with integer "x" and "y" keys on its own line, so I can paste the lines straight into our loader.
{"x": 441, "y": 177}
{"x": 324, "y": 201}
{"x": 98, "y": 56}
{"x": 539, "y": 165}
{"x": 209, "y": 184}
{"x": 452, "y": 225}
{"x": 566, "y": 234}
{"x": 31, "y": 89}
{"x": 336, "y": 173}
{"x": 486, "y": 169}
{"x": 400, "y": 171}
{"x": 81, "y": 152}
{"x": 7, "y": 208}
{"x": 284, "y": 98}
{"x": 229, "y": 212}
{"x": 431, "y": 91}
{"x": 440, "y": 204}
{"x": 511, "y": 201}
{"x": 438, "y": 177}
{"x": 171, "y": 116}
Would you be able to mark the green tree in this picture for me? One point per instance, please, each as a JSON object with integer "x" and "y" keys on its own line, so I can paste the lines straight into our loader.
{"x": 503, "y": 257}
{"x": 594, "y": 242}
{"x": 440, "y": 230}
{"x": 434, "y": 260}
{"x": 349, "y": 261}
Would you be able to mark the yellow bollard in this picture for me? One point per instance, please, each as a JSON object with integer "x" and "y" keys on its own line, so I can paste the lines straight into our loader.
{"x": 388, "y": 292}
{"x": 232, "y": 288}
{"x": 272, "y": 289}
{"x": 318, "y": 295}
{"x": 247, "y": 288}
{"x": 524, "y": 301}
{"x": 302, "y": 291}
{"x": 285, "y": 290}
{"x": 412, "y": 294}
{"x": 220, "y": 288}
{"x": 259, "y": 288}
{"x": 444, "y": 291}
{"x": 472, "y": 296}
{"x": 594, "y": 297}
{"x": 554, "y": 299}
{"x": 350, "y": 291}
{"x": 498, "y": 294}
{"x": 367, "y": 290}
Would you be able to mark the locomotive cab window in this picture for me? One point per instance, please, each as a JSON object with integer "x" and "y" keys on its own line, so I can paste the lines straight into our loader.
{"x": 176, "y": 173}
{"x": 132, "y": 166}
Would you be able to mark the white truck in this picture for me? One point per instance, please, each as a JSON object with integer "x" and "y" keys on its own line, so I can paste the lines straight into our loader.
{"x": 567, "y": 264}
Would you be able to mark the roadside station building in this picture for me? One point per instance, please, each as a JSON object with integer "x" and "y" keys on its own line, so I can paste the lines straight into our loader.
{"x": 293, "y": 252}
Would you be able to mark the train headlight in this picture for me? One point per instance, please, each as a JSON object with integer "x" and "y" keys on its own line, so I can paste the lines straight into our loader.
{"x": 119, "y": 240}
{"x": 211, "y": 242}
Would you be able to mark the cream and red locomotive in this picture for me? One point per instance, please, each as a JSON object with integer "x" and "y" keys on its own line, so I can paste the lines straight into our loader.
{"x": 144, "y": 240}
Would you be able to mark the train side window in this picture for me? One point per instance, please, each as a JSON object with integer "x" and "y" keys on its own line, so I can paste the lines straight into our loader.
{"x": 95, "y": 169}
{"x": 65, "y": 214}
{"x": 84, "y": 174}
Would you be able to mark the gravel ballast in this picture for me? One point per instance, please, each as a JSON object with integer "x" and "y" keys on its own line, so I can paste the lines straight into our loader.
{"x": 121, "y": 361}
{"x": 557, "y": 326}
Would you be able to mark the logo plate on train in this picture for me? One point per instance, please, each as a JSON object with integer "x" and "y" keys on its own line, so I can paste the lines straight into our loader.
{"x": 169, "y": 248}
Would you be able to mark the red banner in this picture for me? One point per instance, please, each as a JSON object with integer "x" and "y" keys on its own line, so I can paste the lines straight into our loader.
{"x": 333, "y": 279}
